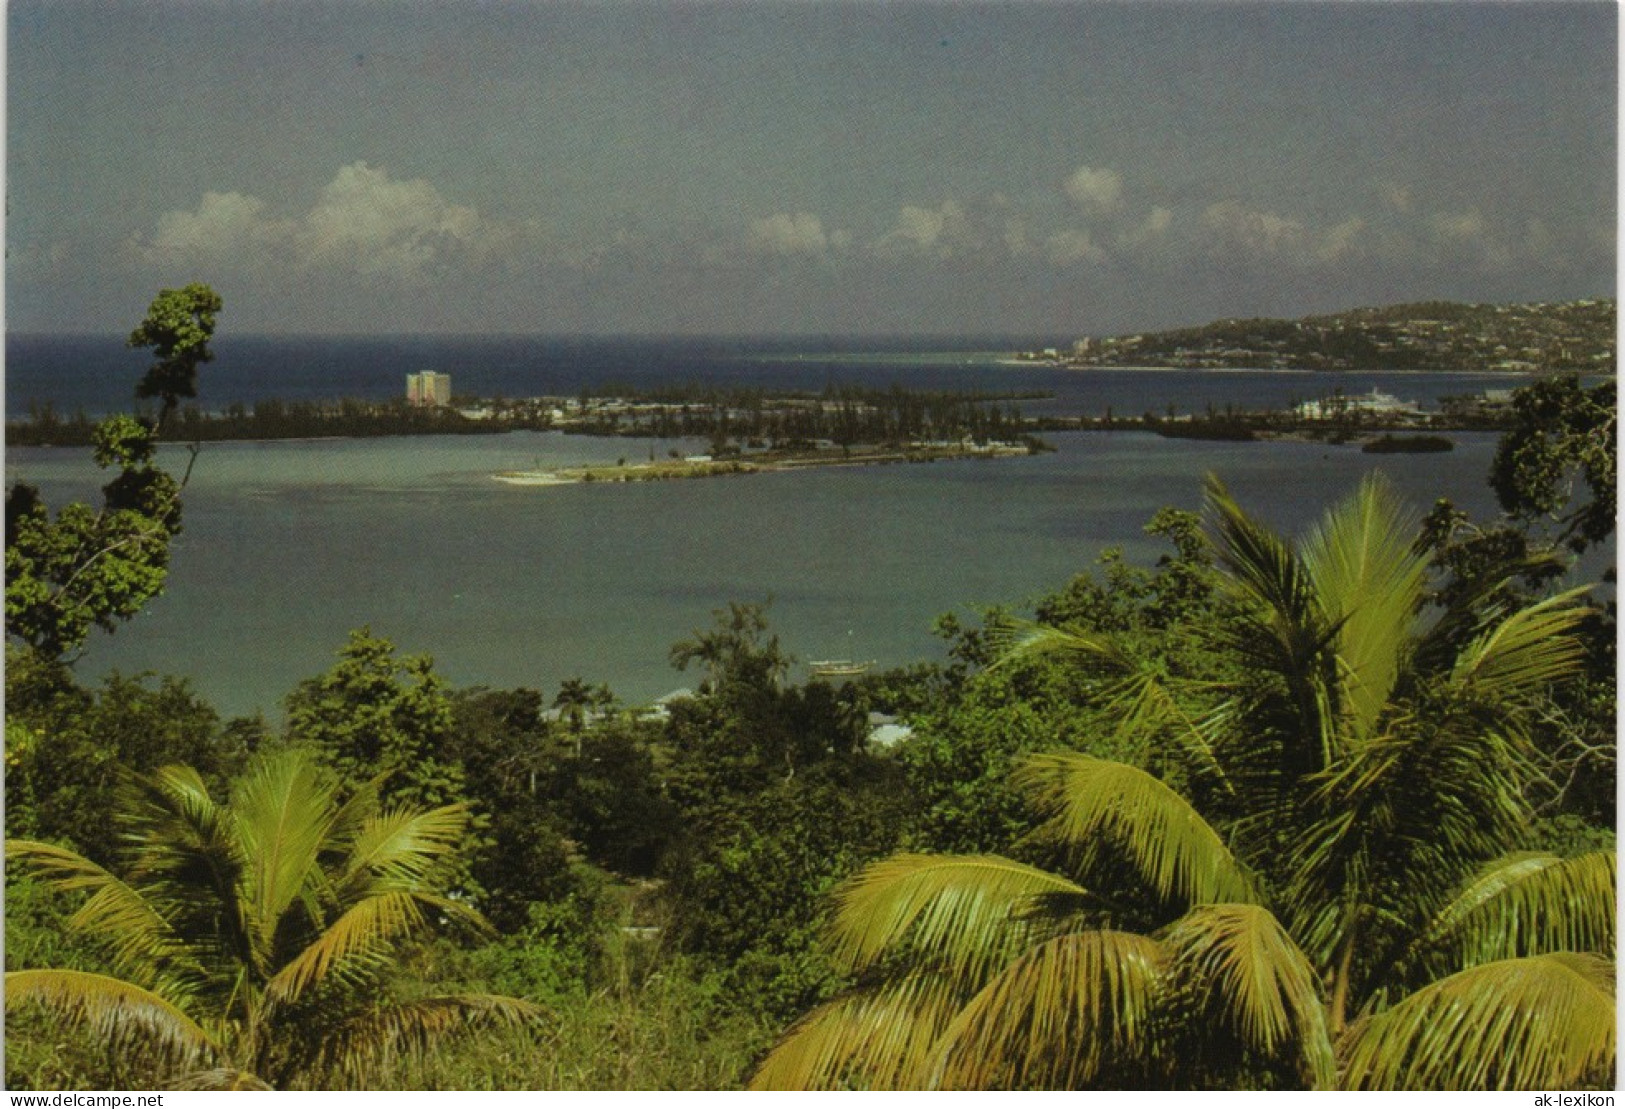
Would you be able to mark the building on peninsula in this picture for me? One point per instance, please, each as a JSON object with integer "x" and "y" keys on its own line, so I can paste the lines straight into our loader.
{"x": 428, "y": 388}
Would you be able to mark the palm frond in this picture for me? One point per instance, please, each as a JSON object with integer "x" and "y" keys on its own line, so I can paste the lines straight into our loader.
{"x": 404, "y": 845}
{"x": 220, "y": 1078}
{"x": 1071, "y": 1012}
{"x": 355, "y": 943}
{"x": 871, "y": 1039}
{"x": 1529, "y": 650}
{"x": 1543, "y": 1022}
{"x": 373, "y": 1040}
{"x": 174, "y": 819}
{"x": 1529, "y": 904}
{"x": 1178, "y": 853}
{"x": 964, "y": 913}
{"x": 1427, "y": 799}
{"x": 1138, "y": 697}
{"x": 285, "y": 810}
{"x": 1145, "y": 701}
{"x": 357, "y": 809}
{"x": 1368, "y": 577}
{"x": 1016, "y": 640}
{"x": 140, "y": 937}
{"x": 120, "y": 1013}
{"x": 1260, "y": 564}
{"x": 1285, "y": 632}
{"x": 186, "y": 853}
{"x": 1242, "y": 960}
{"x": 1479, "y": 602}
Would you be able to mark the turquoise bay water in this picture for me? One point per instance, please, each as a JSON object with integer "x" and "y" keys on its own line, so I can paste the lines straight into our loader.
{"x": 288, "y": 545}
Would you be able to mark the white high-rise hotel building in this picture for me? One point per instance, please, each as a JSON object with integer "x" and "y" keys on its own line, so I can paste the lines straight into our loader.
{"x": 428, "y": 388}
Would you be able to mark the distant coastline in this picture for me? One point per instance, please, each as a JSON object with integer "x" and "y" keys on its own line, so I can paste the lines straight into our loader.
{"x": 1574, "y": 336}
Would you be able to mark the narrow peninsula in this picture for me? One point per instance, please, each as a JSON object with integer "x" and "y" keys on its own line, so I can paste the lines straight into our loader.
{"x": 767, "y": 460}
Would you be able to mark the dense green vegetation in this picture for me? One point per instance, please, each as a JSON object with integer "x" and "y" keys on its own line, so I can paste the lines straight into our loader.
{"x": 87, "y": 567}
{"x": 1269, "y": 813}
{"x": 1329, "y": 884}
{"x": 846, "y": 415}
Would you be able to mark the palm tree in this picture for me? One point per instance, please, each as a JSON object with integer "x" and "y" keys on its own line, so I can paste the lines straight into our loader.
{"x": 1343, "y": 909}
{"x": 248, "y": 940}
{"x": 574, "y": 699}
{"x": 602, "y": 699}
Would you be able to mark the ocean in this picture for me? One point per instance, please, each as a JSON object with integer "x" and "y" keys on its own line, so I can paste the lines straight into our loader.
{"x": 97, "y": 374}
{"x": 288, "y": 545}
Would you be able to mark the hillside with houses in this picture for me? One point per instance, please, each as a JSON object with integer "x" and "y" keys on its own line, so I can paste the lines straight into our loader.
{"x": 1568, "y": 337}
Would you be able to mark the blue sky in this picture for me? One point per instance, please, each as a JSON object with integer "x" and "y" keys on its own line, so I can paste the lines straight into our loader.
{"x": 903, "y": 168}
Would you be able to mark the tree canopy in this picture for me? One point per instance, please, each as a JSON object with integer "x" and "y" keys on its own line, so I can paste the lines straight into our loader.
{"x": 251, "y": 938}
{"x": 1349, "y": 899}
{"x": 1563, "y": 435}
{"x": 178, "y": 326}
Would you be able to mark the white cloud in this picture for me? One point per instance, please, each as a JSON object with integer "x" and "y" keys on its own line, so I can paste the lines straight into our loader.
{"x": 222, "y": 224}
{"x": 1072, "y": 245}
{"x": 1539, "y": 242}
{"x": 363, "y": 222}
{"x": 1096, "y": 190}
{"x": 1234, "y": 227}
{"x": 1469, "y": 236}
{"x": 1154, "y": 227}
{"x": 1340, "y": 241}
{"x": 380, "y": 226}
{"x": 1015, "y": 238}
{"x": 36, "y": 258}
{"x": 1459, "y": 227}
{"x": 801, "y": 233}
{"x": 941, "y": 231}
{"x": 1255, "y": 231}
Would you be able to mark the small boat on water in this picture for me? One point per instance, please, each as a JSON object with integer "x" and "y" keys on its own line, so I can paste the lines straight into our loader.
{"x": 839, "y": 668}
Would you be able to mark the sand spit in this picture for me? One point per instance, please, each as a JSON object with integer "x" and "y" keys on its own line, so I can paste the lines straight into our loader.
{"x": 764, "y": 462}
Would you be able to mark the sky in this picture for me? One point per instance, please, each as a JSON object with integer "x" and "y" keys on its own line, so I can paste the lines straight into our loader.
{"x": 810, "y": 168}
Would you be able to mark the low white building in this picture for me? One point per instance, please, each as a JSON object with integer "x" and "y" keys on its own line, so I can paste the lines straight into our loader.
{"x": 1376, "y": 403}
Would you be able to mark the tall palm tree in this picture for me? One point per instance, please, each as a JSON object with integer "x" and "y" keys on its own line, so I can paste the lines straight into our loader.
{"x": 574, "y": 699}
{"x": 1341, "y": 910}
{"x": 248, "y": 940}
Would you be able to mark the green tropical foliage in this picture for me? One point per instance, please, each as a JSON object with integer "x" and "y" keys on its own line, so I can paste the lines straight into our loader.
{"x": 67, "y": 746}
{"x": 1563, "y": 435}
{"x": 177, "y": 328}
{"x": 1332, "y": 813}
{"x": 87, "y": 567}
{"x": 1328, "y": 900}
{"x": 573, "y": 700}
{"x": 247, "y": 940}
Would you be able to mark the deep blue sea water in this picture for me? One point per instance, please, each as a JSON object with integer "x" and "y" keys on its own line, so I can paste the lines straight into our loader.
{"x": 98, "y": 374}
{"x": 288, "y": 545}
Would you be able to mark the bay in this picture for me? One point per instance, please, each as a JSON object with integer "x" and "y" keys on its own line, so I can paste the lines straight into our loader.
{"x": 288, "y": 545}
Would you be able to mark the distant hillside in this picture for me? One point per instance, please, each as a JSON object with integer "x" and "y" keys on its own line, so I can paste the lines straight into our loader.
{"x": 1576, "y": 336}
